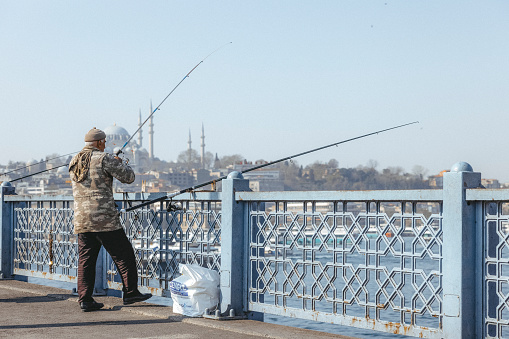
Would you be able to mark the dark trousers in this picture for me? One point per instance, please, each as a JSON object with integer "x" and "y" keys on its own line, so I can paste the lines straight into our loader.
{"x": 120, "y": 250}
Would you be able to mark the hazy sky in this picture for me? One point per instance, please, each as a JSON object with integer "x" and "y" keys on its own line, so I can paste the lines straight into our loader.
{"x": 298, "y": 75}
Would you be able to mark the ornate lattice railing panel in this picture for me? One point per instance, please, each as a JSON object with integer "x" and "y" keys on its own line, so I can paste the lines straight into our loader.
{"x": 45, "y": 246}
{"x": 496, "y": 269}
{"x": 163, "y": 239}
{"x": 44, "y": 243}
{"x": 351, "y": 260}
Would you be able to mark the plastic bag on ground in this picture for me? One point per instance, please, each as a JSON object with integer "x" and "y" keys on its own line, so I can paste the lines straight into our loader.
{"x": 195, "y": 290}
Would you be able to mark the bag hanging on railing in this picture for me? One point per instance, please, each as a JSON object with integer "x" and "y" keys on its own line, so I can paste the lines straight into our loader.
{"x": 196, "y": 290}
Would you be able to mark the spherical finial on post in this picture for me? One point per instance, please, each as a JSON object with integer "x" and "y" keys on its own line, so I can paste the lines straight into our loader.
{"x": 235, "y": 175}
{"x": 461, "y": 167}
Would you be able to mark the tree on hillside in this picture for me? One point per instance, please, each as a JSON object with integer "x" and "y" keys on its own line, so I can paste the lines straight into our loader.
{"x": 189, "y": 158}
{"x": 229, "y": 160}
{"x": 373, "y": 164}
{"x": 209, "y": 160}
{"x": 327, "y": 176}
{"x": 160, "y": 165}
{"x": 419, "y": 171}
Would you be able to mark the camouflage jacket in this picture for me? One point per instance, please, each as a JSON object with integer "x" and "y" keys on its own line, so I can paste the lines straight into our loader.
{"x": 94, "y": 206}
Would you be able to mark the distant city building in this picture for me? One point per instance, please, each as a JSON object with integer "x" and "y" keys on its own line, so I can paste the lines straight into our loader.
{"x": 490, "y": 183}
{"x": 263, "y": 179}
{"x": 179, "y": 178}
{"x": 437, "y": 180}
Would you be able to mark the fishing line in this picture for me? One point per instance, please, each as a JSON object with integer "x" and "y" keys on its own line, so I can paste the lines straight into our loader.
{"x": 193, "y": 188}
{"x": 26, "y": 176}
{"x": 132, "y": 136}
{"x": 40, "y": 162}
{"x": 173, "y": 90}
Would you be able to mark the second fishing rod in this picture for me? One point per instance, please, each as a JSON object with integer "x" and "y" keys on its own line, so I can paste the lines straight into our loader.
{"x": 169, "y": 196}
{"x": 118, "y": 152}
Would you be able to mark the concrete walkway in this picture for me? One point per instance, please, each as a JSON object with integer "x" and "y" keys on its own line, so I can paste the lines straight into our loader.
{"x": 34, "y": 311}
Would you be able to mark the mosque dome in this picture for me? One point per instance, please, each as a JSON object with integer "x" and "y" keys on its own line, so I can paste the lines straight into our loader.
{"x": 116, "y": 130}
{"x": 31, "y": 162}
{"x": 116, "y": 136}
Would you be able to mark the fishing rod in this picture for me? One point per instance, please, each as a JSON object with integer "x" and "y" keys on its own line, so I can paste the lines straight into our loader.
{"x": 46, "y": 170}
{"x": 193, "y": 188}
{"x": 130, "y": 138}
{"x": 174, "y": 88}
{"x": 40, "y": 162}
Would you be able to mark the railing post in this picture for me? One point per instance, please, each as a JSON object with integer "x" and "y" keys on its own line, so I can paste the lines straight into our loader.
{"x": 460, "y": 233}
{"x": 6, "y": 232}
{"x": 232, "y": 246}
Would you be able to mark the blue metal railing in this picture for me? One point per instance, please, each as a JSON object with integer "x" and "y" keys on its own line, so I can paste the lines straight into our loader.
{"x": 417, "y": 262}
{"x": 46, "y": 247}
{"x": 163, "y": 239}
{"x": 349, "y": 262}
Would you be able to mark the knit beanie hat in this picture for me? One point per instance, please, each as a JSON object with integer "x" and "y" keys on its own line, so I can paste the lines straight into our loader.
{"x": 95, "y": 134}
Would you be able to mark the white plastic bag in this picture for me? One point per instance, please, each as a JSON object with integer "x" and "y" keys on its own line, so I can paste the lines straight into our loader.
{"x": 194, "y": 291}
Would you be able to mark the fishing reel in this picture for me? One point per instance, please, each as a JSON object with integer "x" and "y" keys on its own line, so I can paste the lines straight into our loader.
{"x": 124, "y": 160}
{"x": 120, "y": 155}
{"x": 174, "y": 207}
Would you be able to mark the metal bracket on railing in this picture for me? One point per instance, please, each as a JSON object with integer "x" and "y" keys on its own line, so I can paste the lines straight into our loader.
{"x": 216, "y": 315}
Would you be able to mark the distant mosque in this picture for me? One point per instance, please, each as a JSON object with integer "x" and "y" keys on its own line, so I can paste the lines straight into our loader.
{"x": 139, "y": 158}
{"x": 202, "y": 146}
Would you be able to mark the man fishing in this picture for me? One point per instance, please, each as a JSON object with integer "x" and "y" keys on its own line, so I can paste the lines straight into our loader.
{"x": 97, "y": 221}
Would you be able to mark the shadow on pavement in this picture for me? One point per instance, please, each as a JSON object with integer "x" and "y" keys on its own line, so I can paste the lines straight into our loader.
{"x": 88, "y": 323}
{"x": 25, "y": 300}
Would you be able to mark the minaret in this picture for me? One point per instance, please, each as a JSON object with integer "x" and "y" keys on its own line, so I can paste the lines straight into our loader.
{"x": 189, "y": 148}
{"x": 151, "y": 134}
{"x": 217, "y": 163}
{"x": 202, "y": 146}
{"x": 140, "y": 137}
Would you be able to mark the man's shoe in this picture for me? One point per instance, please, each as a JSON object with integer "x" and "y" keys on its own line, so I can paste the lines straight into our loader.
{"x": 89, "y": 306}
{"x": 137, "y": 298}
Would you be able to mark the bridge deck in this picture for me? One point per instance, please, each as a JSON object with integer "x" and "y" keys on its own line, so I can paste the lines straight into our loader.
{"x": 35, "y": 311}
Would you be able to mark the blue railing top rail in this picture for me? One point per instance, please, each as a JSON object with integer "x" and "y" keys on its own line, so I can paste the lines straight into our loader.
{"x": 396, "y": 195}
{"x": 35, "y": 197}
{"x": 211, "y": 196}
{"x": 476, "y": 194}
{"x": 482, "y": 194}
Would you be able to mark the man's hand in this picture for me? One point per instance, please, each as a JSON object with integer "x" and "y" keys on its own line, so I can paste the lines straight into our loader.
{"x": 124, "y": 161}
